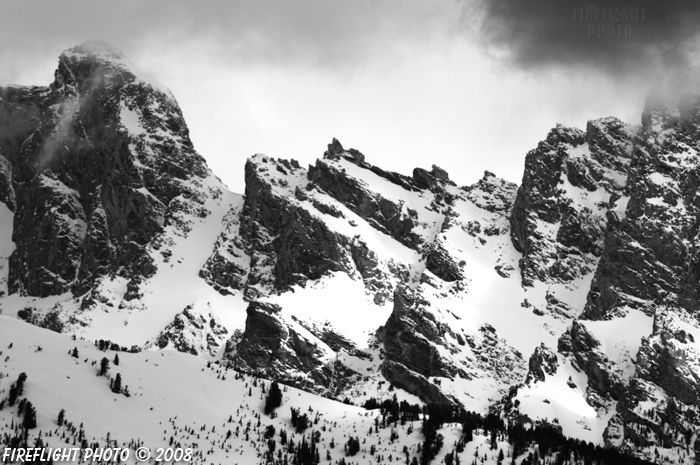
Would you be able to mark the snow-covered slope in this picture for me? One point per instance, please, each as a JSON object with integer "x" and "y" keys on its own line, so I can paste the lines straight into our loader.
{"x": 175, "y": 401}
{"x": 560, "y": 301}
{"x": 173, "y": 397}
{"x": 115, "y": 213}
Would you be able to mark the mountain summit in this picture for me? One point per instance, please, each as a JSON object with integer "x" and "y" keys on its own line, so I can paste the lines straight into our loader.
{"x": 97, "y": 48}
{"x": 96, "y": 60}
{"x": 569, "y": 301}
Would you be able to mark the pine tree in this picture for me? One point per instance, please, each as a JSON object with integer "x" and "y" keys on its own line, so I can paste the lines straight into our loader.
{"x": 274, "y": 398}
{"x": 353, "y": 446}
{"x": 116, "y": 359}
{"x": 13, "y": 395}
{"x": 17, "y": 389}
{"x": 117, "y": 386}
{"x": 61, "y": 417}
{"x": 20, "y": 383}
{"x": 104, "y": 367}
{"x": 29, "y": 421}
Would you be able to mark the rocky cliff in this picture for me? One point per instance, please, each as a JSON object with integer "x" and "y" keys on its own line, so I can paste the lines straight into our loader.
{"x": 98, "y": 163}
{"x": 573, "y": 184}
{"x": 570, "y": 299}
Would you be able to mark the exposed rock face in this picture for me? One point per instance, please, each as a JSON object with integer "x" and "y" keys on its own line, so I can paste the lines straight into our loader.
{"x": 412, "y": 333}
{"x": 330, "y": 337}
{"x": 419, "y": 276}
{"x": 440, "y": 262}
{"x": 298, "y": 352}
{"x": 542, "y": 361}
{"x": 644, "y": 232}
{"x": 649, "y": 263}
{"x": 50, "y": 223}
{"x": 660, "y": 406}
{"x": 585, "y": 349}
{"x": 423, "y": 179}
{"x": 413, "y": 382}
{"x": 94, "y": 167}
{"x": 226, "y": 270}
{"x": 571, "y": 181}
{"x": 415, "y": 337}
{"x": 650, "y": 256}
{"x": 388, "y": 216}
{"x": 283, "y": 238}
{"x": 670, "y": 357}
{"x": 193, "y": 333}
{"x": 301, "y": 227}
{"x": 271, "y": 348}
{"x": 493, "y": 193}
{"x": 439, "y": 173}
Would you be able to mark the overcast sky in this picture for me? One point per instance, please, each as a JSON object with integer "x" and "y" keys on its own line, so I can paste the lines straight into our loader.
{"x": 468, "y": 85}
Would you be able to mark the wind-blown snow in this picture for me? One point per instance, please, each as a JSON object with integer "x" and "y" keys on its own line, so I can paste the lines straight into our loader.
{"x": 112, "y": 55}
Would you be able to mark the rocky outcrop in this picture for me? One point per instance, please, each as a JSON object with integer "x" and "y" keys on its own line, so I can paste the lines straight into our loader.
{"x": 441, "y": 263}
{"x": 286, "y": 239}
{"x": 659, "y": 408}
{"x": 430, "y": 180}
{"x": 270, "y": 347}
{"x": 377, "y": 280}
{"x": 543, "y": 361}
{"x": 650, "y": 255}
{"x": 100, "y": 163}
{"x": 415, "y": 383}
{"x": 295, "y": 351}
{"x": 424, "y": 179}
{"x": 571, "y": 181}
{"x": 193, "y": 333}
{"x": 386, "y": 215}
{"x": 226, "y": 270}
{"x": 670, "y": 357}
{"x": 299, "y": 227}
{"x": 492, "y": 193}
{"x": 330, "y": 336}
{"x": 287, "y": 244}
{"x": 585, "y": 350}
{"x": 412, "y": 335}
{"x": 102, "y": 182}
{"x": 417, "y": 340}
{"x": 51, "y": 220}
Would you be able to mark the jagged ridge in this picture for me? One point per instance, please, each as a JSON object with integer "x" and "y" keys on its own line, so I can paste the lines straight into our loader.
{"x": 342, "y": 276}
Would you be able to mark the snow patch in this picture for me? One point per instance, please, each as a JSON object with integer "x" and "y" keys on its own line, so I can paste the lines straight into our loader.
{"x": 131, "y": 120}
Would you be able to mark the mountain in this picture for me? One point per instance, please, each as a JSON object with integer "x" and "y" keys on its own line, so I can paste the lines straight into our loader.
{"x": 568, "y": 302}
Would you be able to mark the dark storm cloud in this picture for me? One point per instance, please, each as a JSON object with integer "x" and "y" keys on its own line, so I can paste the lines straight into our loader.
{"x": 618, "y": 37}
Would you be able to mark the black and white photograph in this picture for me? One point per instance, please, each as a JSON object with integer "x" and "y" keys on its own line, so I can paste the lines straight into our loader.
{"x": 364, "y": 232}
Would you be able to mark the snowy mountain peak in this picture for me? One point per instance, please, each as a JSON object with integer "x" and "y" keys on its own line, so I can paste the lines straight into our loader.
{"x": 99, "y": 63}
{"x": 354, "y": 282}
{"x": 97, "y": 48}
